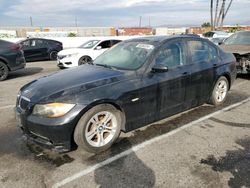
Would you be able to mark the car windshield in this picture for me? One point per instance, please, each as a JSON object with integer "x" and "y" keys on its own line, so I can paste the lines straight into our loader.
{"x": 89, "y": 44}
{"x": 126, "y": 55}
{"x": 240, "y": 38}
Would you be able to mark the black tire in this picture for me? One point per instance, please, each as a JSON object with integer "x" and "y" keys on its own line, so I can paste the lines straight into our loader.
{"x": 214, "y": 100}
{"x": 85, "y": 60}
{"x": 82, "y": 125}
{"x": 4, "y": 71}
{"x": 61, "y": 68}
{"x": 53, "y": 55}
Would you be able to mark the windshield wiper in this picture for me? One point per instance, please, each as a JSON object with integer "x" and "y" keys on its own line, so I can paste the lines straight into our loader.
{"x": 106, "y": 66}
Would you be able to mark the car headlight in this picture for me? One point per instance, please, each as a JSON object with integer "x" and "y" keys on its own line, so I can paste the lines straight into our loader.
{"x": 52, "y": 110}
{"x": 71, "y": 55}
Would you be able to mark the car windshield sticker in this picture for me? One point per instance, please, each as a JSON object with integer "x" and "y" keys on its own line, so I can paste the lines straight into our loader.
{"x": 145, "y": 46}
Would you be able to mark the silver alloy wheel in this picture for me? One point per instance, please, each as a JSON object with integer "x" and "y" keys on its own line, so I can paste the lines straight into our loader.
{"x": 221, "y": 90}
{"x": 101, "y": 129}
{"x": 85, "y": 60}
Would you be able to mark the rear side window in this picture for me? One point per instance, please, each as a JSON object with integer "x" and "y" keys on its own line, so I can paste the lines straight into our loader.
{"x": 201, "y": 51}
{"x": 105, "y": 44}
{"x": 114, "y": 42}
{"x": 213, "y": 53}
{"x": 40, "y": 43}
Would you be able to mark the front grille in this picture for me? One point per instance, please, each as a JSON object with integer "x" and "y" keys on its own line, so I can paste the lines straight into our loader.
{"x": 23, "y": 103}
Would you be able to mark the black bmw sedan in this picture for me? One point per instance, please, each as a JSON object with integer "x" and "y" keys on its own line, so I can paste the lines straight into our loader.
{"x": 135, "y": 83}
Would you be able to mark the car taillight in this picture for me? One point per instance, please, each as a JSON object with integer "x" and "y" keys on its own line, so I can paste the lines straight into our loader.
{"x": 15, "y": 47}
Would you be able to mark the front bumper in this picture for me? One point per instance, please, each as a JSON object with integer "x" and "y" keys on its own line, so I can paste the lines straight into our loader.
{"x": 67, "y": 62}
{"x": 51, "y": 133}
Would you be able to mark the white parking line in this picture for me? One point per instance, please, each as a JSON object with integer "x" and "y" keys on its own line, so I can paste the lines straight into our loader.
{"x": 8, "y": 106}
{"x": 140, "y": 146}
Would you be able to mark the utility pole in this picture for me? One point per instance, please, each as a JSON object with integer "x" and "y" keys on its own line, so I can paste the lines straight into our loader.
{"x": 149, "y": 22}
{"x": 31, "y": 22}
{"x": 211, "y": 14}
{"x": 140, "y": 22}
{"x": 76, "y": 21}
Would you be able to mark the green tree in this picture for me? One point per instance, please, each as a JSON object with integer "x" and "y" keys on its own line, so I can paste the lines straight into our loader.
{"x": 206, "y": 24}
{"x": 72, "y": 34}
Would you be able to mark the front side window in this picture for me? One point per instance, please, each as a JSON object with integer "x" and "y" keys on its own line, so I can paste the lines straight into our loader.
{"x": 172, "y": 55}
{"x": 26, "y": 43}
{"x": 33, "y": 43}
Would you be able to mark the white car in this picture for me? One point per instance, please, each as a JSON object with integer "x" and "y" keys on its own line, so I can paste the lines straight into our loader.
{"x": 86, "y": 53}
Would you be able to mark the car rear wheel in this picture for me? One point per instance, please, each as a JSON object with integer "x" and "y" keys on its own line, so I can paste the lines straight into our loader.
{"x": 98, "y": 128}
{"x": 85, "y": 60}
{"x": 4, "y": 71}
{"x": 53, "y": 55}
{"x": 220, "y": 91}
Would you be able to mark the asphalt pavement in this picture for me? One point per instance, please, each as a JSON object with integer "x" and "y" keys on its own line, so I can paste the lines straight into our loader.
{"x": 203, "y": 147}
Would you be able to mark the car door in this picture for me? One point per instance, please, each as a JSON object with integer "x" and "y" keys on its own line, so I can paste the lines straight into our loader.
{"x": 40, "y": 49}
{"x": 202, "y": 60}
{"x": 36, "y": 49}
{"x": 101, "y": 48}
{"x": 170, "y": 86}
{"x": 26, "y": 47}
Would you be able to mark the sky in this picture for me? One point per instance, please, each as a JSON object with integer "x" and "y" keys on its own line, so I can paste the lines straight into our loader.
{"x": 115, "y": 13}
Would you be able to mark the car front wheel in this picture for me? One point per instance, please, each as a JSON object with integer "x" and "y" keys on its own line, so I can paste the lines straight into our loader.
{"x": 98, "y": 128}
{"x": 4, "y": 71}
{"x": 220, "y": 91}
{"x": 85, "y": 60}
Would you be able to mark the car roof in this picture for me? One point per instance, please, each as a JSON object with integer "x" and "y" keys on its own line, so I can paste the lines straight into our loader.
{"x": 41, "y": 39}
{"x": 161, "y": 39}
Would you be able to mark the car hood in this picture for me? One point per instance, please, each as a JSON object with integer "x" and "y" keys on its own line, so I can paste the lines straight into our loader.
{"x": 238, "y": 49}
{"x": 69, "y": 83}
{"x": 73, "y": 51}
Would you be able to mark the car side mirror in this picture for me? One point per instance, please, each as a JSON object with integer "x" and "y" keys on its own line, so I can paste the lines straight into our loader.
{"x": 98, "y": 48}
{"x": 220, "y": 43}
{"x": 159, "y": 68}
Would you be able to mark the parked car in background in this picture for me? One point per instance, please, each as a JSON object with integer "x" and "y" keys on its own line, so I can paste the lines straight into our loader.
{"x": 11, "y": 58}
{"x": 40, "y": 49}
{"x": 239, "y": 45}
{"x": 135, "y": 83}
{"x": 218, "y": 41}
{"x": 85, "y": 53}
{"x": 216, "y": 36}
